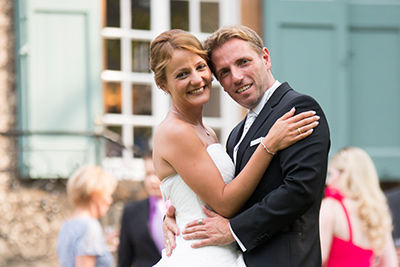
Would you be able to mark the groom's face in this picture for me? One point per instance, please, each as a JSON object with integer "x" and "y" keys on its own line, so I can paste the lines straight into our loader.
{"x": 242, "y": 72}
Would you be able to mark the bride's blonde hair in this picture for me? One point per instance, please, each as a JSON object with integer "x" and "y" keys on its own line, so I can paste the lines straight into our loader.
{"x": 359, "y": 181}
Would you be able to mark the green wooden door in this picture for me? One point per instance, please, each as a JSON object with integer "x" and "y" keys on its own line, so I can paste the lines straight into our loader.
{"x": 374, "y": 84}
{"x": 346, "y": 54}
{"x": 59, "y": 84}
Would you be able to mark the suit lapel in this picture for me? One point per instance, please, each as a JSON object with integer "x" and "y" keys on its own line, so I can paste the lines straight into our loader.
{"x": 235, "y": 137}
{"x": 256, "y": 129}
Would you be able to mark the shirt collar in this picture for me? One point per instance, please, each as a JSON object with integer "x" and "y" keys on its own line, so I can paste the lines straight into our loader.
{"x": 268, "y": 93}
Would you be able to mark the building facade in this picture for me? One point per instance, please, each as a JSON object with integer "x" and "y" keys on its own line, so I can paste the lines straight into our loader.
{"x": 75, "y": 88}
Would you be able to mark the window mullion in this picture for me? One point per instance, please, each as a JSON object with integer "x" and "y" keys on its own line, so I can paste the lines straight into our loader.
{"x": 126, "y": 67}
{"x": 194, "y": 16}
{"x": 125, "y": 11}
{"x": 127, "y": 137}
{"x": 126, "y": 53}
{"x": 159, "y": 19}
{"x": 229, "y": 12}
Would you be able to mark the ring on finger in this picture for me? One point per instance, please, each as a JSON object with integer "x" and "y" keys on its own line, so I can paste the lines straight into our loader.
{"x": 200, "y": 221}
{"x": 298, "y": 129}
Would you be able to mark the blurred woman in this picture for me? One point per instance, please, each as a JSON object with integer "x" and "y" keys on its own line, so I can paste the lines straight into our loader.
{"x": 355, "y": 222}
{"x": 80, "y": 240}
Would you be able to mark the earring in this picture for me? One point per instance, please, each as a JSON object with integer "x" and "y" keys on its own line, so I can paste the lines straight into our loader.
{"x": 166, "y": 93}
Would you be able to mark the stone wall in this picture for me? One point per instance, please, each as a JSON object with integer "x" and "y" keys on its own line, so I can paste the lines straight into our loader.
{"x": 32, "y": 210}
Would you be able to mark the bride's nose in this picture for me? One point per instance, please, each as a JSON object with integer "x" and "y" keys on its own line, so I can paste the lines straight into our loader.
{"x": 196, "y": 78}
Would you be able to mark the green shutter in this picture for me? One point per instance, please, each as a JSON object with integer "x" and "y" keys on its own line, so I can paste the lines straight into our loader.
{"x": 59, "y": 88}
{"x": 346, "y": 54}
{"x": 374, "y": 83}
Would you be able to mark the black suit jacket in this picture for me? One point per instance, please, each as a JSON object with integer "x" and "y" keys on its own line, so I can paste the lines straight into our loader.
{"x": 136, "y": 244}
{"x": 279, "y": 224}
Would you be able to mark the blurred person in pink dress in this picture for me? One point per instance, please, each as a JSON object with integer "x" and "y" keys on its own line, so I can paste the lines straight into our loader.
{"x": 355, "y": 222}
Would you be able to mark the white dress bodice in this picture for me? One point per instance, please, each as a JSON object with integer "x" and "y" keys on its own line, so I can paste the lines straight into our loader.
{"x": 188, "y": 207}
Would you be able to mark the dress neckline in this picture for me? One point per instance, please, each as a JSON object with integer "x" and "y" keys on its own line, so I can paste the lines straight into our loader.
{"x": 172, "y": 175}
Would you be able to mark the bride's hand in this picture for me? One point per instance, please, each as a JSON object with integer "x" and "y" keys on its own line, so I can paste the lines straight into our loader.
{"x": 290, "y": 129}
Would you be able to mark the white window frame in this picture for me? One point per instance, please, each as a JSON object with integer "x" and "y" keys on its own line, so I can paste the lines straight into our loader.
{"x": 160, "y": 21}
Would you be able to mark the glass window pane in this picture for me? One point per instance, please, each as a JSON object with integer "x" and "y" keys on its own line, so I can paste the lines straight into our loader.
{"x": 142, "y": 140}
{"x": 113, "y": 15}
{"x": 141, "y": 99}
{"x": 140, "y": 14}
{"x": 209, "y": 13}
{"x": 140, "y": 56}
{"x": 112, "y": 97}
{"x": 180, "y": 15}
{"x": 212, "y": 107}
{"x": 113, "y": 56}
{"x": 113, "y": 149}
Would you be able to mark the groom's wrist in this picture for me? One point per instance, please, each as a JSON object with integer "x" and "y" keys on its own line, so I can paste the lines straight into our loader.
{"x": 235, "y": 238}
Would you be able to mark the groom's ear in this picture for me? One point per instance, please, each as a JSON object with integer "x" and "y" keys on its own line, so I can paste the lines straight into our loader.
{"x": 266, "y": 57}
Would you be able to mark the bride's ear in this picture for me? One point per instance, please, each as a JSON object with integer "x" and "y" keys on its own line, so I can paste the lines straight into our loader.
{"x": 162, "y": 87}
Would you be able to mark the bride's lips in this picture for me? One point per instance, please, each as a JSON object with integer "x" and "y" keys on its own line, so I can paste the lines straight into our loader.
{"x": 199, "y": 90}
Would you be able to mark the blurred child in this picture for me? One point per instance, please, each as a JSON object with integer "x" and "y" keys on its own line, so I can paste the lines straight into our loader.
{"x": 80, "y": 241}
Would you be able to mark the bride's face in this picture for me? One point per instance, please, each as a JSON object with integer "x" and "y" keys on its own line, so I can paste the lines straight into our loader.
{"x": 188, "y": 79}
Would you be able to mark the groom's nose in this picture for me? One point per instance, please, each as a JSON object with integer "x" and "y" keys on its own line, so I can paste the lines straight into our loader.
{"x": 237, "y": 75}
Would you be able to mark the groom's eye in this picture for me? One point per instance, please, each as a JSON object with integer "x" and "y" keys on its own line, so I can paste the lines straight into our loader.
{"x": 223, "y": 73}
{"x": 244, "y": 61}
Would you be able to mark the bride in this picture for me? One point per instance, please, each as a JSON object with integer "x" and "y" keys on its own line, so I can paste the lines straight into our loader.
{"x": 194, "y": 168}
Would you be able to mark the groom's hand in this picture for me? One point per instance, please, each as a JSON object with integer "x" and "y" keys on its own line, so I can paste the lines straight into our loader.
{"x": 170, "y": 230}
{"x": 213, "y": 231}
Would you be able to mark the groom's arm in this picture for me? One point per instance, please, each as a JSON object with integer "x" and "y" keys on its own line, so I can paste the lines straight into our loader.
{"x": 276, "y": 210}
{"x": 302, "y": 168}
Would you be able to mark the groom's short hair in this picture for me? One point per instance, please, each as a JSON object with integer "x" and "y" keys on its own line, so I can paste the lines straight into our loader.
{"x": 224, "y": 34}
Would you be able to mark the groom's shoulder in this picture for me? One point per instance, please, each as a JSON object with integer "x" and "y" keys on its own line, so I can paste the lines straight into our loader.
{"x": 288, "y": 93}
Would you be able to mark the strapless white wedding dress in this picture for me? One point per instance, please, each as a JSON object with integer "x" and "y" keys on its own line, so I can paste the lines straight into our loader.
{"x": 188, "y": 207}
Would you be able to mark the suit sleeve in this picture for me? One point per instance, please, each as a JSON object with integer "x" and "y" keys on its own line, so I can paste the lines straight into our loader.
{"x": 301, "y": 168}
{"x": 125, "y": 248}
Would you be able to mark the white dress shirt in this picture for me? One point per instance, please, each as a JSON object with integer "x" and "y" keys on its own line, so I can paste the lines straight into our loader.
{"x": 268, "y": 93}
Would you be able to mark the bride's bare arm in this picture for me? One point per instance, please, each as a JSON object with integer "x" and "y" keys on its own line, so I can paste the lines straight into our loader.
{"x": 184, "y": 151}
{"x": 286, "y": 131}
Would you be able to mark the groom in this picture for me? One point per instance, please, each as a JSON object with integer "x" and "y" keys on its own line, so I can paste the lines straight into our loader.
{"x": 279, "y": 224}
